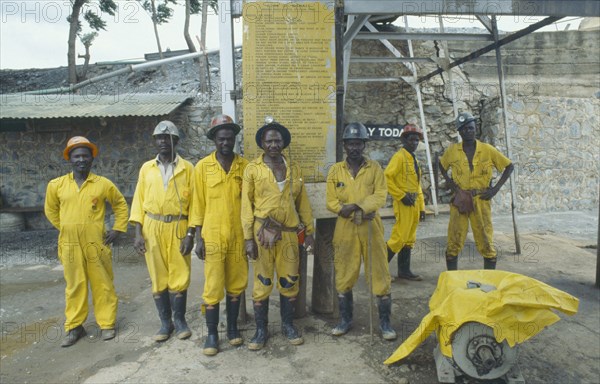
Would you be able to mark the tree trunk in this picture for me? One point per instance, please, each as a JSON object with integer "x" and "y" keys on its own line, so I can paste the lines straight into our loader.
{"x": 71, "y": 59}
{"x": 82, "y": 76}
{"x": 155, "y": 24}
{"x": 186, "y": 28}
{"x": 204, "y": 74}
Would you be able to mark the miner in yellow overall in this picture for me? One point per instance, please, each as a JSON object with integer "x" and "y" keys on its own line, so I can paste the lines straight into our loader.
{"x": 159, "y": 212}
{"x": 403, "y": 177}
{"x": 356, "y": 189}
{"x": 275, "y": 207}
{"x": 216, "y": 214}
{"x": 75, "y": 205}
{"x": 471, "y": 163}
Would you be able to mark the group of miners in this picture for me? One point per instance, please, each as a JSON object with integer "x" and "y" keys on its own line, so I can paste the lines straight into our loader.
{"x": 236, "y": 212}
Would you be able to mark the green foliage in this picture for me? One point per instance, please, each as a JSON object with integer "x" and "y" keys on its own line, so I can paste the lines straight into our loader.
{"x": 196, "y": 6}
{"x": 163, "y": 10}
{"x": 88, "y": 38}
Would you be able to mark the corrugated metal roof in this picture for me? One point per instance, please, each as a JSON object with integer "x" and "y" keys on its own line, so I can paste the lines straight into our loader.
{"x": 21, "y": 106}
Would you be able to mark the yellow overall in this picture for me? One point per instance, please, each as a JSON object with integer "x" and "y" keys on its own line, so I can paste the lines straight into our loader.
{"x": 262, "y": 198}
{"x": 217, "y": 208}
{"x": 402, "y": 178}
{"x": 350, "y": 241}
{"x": 78, "y": 213}
{"x": 485, "y": 159}
{"x": 167, "y": 267}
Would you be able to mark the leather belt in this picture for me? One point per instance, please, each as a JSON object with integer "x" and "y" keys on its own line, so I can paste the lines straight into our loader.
{"x": 166, "y": 218}
{"x": 475, "y": 192}
{"x": 274, "y": 224}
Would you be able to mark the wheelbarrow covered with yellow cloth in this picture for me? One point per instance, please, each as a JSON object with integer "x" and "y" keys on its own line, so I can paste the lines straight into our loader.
{"x": 514, "y": 306}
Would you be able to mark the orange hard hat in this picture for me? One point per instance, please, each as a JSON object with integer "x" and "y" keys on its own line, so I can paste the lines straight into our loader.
{"x": 79, "y": 141}
{"x": 220, "y": 122}
{"x": 412, "y": 128}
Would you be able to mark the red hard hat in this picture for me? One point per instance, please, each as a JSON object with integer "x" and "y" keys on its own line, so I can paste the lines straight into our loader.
{"x": 412, "y": 128}
{"x": 76, "y": 142}
{"x": 220, "y": 122}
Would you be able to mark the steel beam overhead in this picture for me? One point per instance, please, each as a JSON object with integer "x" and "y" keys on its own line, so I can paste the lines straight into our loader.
{"x": 424, "y": 36}
{"x": 376, "y": 60}
{"x": 526, "y": 8}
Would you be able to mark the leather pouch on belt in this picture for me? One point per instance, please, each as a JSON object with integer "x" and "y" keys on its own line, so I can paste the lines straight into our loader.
{"x": 269, "y": 233}
{"x": 463, "y": 201}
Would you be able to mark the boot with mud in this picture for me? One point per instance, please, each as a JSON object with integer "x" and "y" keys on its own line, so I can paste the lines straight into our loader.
{"x": 163, "y": 306}
{"x": 261, "y": 317}
{"x": 232, "y": 306}
{"x": 451, "y": 262}
{"x": 178, "y": 306}
{"x": 346, "y": 305}
{"x": 73, "y": 335}
{"x": 211, "y": 344}
{"x": 288, "y": 329}
{"x": 384, "y": 305}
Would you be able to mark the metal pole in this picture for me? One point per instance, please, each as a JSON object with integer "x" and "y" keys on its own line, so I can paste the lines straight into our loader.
{"x": 447, "y": 55}
{"x": 370, "y": 274}
{"x": 227, "y": 64}
{"x": 417, "y": 87}
{"x": 513, "y": 185}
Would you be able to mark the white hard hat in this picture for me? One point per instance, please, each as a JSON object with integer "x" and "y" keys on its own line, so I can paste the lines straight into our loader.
{"x": 166, "y": 127}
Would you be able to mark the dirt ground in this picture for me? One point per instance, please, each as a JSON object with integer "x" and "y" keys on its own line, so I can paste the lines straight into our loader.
{"x": 558, "y": 249}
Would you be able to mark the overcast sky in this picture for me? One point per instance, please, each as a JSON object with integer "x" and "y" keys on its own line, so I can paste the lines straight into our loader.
{"x": 33, "y": 34}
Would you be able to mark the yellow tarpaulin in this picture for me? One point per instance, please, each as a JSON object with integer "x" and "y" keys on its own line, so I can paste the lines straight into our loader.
{"x": 516, "y": 307}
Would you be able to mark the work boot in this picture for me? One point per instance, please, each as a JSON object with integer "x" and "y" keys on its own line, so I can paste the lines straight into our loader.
{"x": 489, "y": 263}
{"x": 178, "y": 305}
{"x": 391, "y": 254}
{"x": 73, "y": 335}
{"x": 233, "y": 309}
{"x": 211, "y": 345}
{"x": 346, "y": 305}
{"x": 452, "y": 263}
{"x": 108, "y": 334}
{"x": 286, "y": 309}
{"x": 164, "y": 313}
{"x": 261, "y": 316}
{"x": 404, "y": 266}
{"x": 384, "y": 305}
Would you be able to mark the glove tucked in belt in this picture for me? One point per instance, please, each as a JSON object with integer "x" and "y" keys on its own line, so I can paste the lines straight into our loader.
{"x": 166, "y": 218}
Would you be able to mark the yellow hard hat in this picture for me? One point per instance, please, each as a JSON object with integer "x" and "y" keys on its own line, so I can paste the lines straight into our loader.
{"x": 76, "y": 142}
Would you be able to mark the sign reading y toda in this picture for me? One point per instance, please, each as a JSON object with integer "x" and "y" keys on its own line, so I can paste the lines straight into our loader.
{"x": 384, "y": 131}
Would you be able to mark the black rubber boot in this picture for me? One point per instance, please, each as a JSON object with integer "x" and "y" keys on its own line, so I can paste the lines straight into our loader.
{"x": 452, "y": 263}
{"x": 404, "y": 271}
{"x": 286, "y": 309}
{"x": 384, "y": 305}
{"x": 233, "y": 309}
{"x": 391, "y": 254}
{"x": 489, "y": 263}
{"x": 73, "y": 335}
{"x": 178, "y": 306}
{"x": 346, "y": 304}
{"x": 211, "y": 344}
{"x": 261, "y": 316}
{"x": 163, "y": 306}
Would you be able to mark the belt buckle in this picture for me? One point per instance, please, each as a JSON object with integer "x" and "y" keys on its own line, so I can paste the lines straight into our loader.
{"x": 168, "y": 218}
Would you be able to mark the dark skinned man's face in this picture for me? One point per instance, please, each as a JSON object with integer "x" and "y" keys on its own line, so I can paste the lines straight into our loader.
{"x": 411, "y": 142}
{"x": 467, "y": 131}
{"x": 163, "y": 144}
{"x": 354, "y": 148}
{"x": 272, "y": 142}
{"x": 225, "y": 141}
{"x": 81, "y": 159}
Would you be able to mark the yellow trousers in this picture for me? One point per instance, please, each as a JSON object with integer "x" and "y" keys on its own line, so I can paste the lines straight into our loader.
{"x": 85, "y": 262}
{"x": 351, "y": 245}
{"x": 404, "y": 232}
{"x": 167, "y": 267}
{"x": 481, "y": 224}
{"x": 225, "y": 268}
{"x": 284, "y": 259}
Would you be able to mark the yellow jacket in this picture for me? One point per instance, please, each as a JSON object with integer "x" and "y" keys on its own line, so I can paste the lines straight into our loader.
{"x": 217, "y": 199}
{"x": 517, "y": 308}
{"x": 401, "y": 178}
{"x": 367, "y": 190}
{"x": 486, "y": 157}
{"x": 261, "y": 198}
{"x": 150, "y": 195}
{"x": 68, "y": 206}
